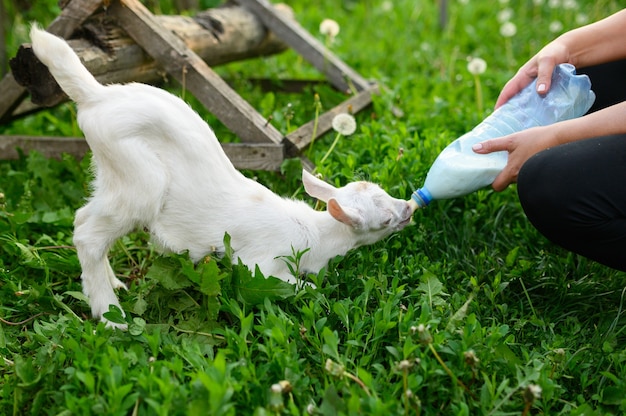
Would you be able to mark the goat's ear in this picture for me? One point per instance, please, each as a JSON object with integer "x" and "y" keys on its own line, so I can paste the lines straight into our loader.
{"x": 317, "y": 188}
{"x": 348, "y": 216}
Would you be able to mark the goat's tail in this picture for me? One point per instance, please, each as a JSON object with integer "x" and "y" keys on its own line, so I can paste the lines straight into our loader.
{"x": 64, "y": 65}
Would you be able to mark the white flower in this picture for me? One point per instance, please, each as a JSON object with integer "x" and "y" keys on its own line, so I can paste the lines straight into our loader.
{"x": 555, "y": 26}
{"x": 329, "y": 28}
{"x": 554, "y": 4}
{"x": 534, "y": 391}
{"x": 570, "y": 4}
{"x": 505, "y": 15}
{"x": 508, "y": 29}
{"x": 344, "y": 124}
{"x": 582, "y": 19}
{"x": 476, "y": 66}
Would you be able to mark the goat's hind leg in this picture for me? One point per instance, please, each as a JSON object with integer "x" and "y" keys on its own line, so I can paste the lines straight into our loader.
{"x": 94, "y": 234}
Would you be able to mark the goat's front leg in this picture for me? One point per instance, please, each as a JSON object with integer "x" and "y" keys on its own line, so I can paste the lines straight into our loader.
{"x": 93, "y": 236}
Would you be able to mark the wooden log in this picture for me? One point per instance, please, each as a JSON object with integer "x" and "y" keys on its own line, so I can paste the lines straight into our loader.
{"x": 73, "y": 15}
{"x": 220, "y": 35}
{"x": 254, "y": 156}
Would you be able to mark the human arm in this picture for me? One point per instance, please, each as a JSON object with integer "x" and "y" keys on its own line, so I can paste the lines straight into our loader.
{"x": 522, "y": 145}
{"x": 599, "y": 42}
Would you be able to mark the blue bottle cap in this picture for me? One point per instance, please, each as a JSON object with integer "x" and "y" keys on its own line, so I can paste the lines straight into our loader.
{"x": 422, "y": 197}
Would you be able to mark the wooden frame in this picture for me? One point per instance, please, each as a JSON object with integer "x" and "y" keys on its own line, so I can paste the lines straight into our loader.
{"x": 263, "y": 147}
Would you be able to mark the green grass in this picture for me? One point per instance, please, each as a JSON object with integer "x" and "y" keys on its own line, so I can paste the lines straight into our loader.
{"x": 458, "y": 314}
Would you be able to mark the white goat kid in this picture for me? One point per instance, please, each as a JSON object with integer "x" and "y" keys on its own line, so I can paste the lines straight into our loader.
{"x": 158, "y": 165}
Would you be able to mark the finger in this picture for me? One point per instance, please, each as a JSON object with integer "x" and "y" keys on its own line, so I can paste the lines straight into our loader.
{"x": 510, "y": 89}
{"x": 545, "y": 67}
{"x": 489, "y": 146}
{"x": 507, "y": 176}
{"x": 525, "y": 75}
{"x": 501, "y": 182}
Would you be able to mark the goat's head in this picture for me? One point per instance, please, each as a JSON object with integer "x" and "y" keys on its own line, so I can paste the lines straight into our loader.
{"x": 364, "y": 206}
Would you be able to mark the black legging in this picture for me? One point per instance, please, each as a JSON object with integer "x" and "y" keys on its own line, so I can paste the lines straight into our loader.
{"x": 575, "y": 194}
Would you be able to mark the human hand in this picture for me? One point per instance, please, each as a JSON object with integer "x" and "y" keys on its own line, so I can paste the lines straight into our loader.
{"x": 520, "y": 147}
{"x": 540, "y": 66}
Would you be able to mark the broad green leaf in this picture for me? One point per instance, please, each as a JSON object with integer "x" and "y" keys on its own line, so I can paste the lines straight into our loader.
{"x": 459, "y": 315}
{"x": 432, "y": 289}
{"x": 209, "y": 278}
{"x": 167, "y": 271}
{"x": 254, "y": 289}
{"x": 27, "y": 373}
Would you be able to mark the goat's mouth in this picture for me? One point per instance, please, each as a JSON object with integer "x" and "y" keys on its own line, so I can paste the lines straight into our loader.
{"x": 405, "y": 222}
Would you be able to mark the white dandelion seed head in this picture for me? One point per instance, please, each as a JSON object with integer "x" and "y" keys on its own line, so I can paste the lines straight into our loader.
{"x": 508, "y": 29}
{"x": 387, "y": 6}
{"x": 570, "y": 4}
{"x": 582, "y": 19}
{"x": 505, "y": 15}
{"x": 535, "y": 390}
{"x": 285, "y": 10}
{"x": 476, "y": 66}
{"x": 537, "y": 2}
{"x": 329, "y": 28}
{"x": 554, "y": 4}
{"x": 555, "y": 26}
{"x": 344, "y": 124}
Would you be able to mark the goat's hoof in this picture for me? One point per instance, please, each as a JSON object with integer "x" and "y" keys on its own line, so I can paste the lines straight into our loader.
{"x": 117, "y": 284}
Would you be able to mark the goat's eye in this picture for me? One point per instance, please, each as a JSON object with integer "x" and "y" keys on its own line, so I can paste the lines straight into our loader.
{"x": 387, "y": 222}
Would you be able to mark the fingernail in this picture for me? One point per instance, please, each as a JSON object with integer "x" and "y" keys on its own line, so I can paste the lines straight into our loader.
{"x": 477, "y": 147}
{"x": 541, "y": 88}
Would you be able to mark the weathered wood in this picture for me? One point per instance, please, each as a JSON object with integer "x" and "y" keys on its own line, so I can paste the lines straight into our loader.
{"x": 338, "y": 73}
{"x": 243, "y": 156}
{"x": 192, "y": 72}
{"x": 72, "y": 16}
{"x": 74, "y": 13}
{"x": 255, "y": 156}
{"x": 263, "y": 146}
{"x": 3, "y": 49}
{"x": 48, "y": 146}
{"x": 12, "y": 94}
{"x": 217, "y": 35}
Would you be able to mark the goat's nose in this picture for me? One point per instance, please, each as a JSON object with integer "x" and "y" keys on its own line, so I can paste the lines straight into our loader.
{"x": 407, "y": 211}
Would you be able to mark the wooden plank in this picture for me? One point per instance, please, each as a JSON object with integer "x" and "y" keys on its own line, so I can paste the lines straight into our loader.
{"x": 244, "y": 156}
{"x": 72, "y": 16}
{"x": 308, "y": 46}
{"x": 194, "y": 74}
{"x": 255, "y": 156}
{"x": 301, "y": 137}
{"x": 48, "y": 146}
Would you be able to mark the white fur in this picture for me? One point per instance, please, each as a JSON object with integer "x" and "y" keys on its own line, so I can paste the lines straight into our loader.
{"x": 158, "y": 165}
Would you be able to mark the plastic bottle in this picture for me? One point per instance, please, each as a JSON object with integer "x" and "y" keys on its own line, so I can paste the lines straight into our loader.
{"x": 458, "y": 170}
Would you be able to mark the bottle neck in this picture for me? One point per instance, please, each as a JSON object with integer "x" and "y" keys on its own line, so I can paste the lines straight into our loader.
{"x": 422, "y": 197}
